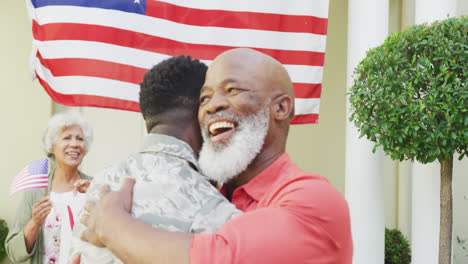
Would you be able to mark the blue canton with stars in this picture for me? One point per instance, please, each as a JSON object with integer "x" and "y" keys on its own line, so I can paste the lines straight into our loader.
{"x": 39, "y": 167}
{"x": 131, "y": 6}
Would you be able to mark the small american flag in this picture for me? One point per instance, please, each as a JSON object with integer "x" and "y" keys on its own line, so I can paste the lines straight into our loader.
{"x": 33, "y": 176}
{"x": 95, "y": 53}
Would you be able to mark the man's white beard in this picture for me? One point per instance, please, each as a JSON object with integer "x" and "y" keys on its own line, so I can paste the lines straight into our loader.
{"x": 223, "y": 162}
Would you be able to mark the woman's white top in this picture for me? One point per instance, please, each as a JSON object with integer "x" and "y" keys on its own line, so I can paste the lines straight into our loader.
{"x": 58, "y": 226}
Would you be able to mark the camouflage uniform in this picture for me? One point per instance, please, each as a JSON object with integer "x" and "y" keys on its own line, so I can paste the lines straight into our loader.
{"x": 169, "y": 194}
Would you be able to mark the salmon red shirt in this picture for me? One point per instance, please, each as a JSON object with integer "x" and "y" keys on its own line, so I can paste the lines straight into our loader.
{"x": 291, "y": 216}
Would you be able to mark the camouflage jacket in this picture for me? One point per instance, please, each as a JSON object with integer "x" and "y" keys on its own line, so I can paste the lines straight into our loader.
{"x": 169, "y": 194}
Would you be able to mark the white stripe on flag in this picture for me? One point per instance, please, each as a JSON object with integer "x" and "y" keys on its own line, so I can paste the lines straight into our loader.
{"x": 100, "y": 51}
{"x": 89, "y": 85}
{"x": 306, "y": 106}
{"x": 305, "y": 74}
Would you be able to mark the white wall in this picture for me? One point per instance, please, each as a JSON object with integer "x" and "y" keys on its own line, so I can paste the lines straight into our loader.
{"x": 24, "y": 107}
{"x": 368, "y": 24}
{"x": 460, "y": 210}
{"x": 116, "y": 134}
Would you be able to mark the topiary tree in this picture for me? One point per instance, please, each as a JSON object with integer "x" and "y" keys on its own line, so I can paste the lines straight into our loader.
{"x": 410, "y": 97}
{"x": 397, "y": 248}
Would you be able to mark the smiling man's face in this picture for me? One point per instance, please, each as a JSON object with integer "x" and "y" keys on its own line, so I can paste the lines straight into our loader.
{"x": 229, "y": 88}
{"x": 233, "y": 116}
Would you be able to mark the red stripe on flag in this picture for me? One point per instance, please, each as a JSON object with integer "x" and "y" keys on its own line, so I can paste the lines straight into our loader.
{"x": 89, "y": 100}
{"x": 93, "y": 68}
{"x": 304, "y": 119}
{"x": 307, "y": 90}
{"x": 237, "y": 19}
{"x": 131, "y": 39}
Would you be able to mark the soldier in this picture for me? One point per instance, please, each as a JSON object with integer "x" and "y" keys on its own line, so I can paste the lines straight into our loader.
{"x": 170, "y": 193}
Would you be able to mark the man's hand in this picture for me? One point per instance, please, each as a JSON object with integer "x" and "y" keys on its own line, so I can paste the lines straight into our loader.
{"x": 75, "y": 260}
{"x": 81, "y": 186}
{"x": 110, "y": 205}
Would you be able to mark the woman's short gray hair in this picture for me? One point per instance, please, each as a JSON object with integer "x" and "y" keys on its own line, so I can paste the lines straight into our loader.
{"x": 58, "y": 123}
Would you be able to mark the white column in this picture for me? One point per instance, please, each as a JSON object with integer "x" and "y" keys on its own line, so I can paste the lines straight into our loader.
{"x": 405, "y": 198}
{"x": 426, "y": 208}
{"x": 431, "y": 10}
{"x": 364, "y": 177}
{"x": 426, "y": 178}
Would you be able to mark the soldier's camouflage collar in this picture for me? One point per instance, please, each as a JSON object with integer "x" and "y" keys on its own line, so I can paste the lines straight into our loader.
{"x": 171, "y": 146}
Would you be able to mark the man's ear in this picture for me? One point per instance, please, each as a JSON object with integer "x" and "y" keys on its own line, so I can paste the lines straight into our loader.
{"x": 282, "y": 107}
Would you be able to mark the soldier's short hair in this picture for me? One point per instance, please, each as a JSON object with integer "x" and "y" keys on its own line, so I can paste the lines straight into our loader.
{"x": 172, "y": 83}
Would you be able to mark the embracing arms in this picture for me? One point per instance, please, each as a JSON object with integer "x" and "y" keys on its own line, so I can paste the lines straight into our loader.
{"x": 304, "y": 226}
{"x": 133, "y": 241}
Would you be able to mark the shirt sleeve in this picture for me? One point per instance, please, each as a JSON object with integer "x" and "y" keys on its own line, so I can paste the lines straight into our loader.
{"x": 15, "y": 243}
{"x": 307, "y": 225}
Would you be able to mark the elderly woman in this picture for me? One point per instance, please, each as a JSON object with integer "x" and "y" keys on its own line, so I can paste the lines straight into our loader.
{"x": 45, "y": 218}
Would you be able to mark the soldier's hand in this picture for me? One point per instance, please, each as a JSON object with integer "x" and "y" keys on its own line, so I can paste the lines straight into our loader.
{"x": 110, "y": 205}
{"x": 81, "y": 186}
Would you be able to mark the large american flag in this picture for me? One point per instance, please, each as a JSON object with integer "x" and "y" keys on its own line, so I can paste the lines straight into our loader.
{"x": 33, "y": 176}
{"x": 95, "y": 52}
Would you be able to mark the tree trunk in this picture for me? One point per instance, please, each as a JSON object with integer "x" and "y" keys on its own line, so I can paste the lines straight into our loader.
{"x": 446, "y": 211}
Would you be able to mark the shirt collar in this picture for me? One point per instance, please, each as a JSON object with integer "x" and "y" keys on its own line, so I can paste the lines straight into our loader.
{"x": 262, "y": 183}
{"x": 170, "y": 146}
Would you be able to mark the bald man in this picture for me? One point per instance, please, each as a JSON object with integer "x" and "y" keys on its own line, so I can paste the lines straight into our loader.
{"x": 291, "y": 216}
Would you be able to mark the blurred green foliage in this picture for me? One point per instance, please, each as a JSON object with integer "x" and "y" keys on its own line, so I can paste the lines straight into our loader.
{"x": 397, "y": 249}
{"x": 3, "y": 235}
